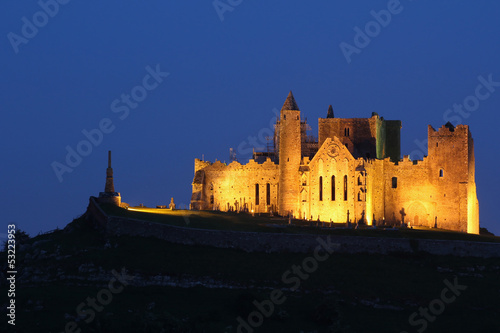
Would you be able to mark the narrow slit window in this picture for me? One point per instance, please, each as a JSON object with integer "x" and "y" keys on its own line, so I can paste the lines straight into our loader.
{"x": 345, "y": 188}
{"x": 394, "y": 182}
{"x": 211, "y": 193}
{"x": 333, "y": 188}
{"x": 256, "y": 194}
{"x": 320, "y": 188}
{"x": 268, "y": 194}
{"x": 441, "y": 173}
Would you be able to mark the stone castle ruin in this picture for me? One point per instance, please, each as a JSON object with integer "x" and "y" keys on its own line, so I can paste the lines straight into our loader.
{"x": 352, "y": 173}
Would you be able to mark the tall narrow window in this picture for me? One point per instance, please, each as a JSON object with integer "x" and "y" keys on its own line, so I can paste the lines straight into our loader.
{"x": 256, "y": 194}
{"x": 394, "y": 182}
{"x": 346, "y": 132}
{"x": 441, "y": 173}
{"x": 320, "y": 188}
{"x": 211, "y": 193}
{"x": 360, "y": 196}
{"x": 345, "y": 188}
{"x": 268, "y": 194}
{"x": 333, "y": 188}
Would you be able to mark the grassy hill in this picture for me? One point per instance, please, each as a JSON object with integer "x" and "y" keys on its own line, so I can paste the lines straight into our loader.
{"x": 266, "y": 223}
{"x": 179, "y": 288}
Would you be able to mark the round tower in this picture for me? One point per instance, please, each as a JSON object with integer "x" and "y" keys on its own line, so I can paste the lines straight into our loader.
{"x": 289, "y": 157}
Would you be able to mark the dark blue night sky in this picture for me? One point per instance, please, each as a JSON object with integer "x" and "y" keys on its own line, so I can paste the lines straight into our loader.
{"x": 168, "y": 81}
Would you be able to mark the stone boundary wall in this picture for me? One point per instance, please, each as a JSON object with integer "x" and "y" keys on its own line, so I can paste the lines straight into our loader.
{"x": 280, "y": 242}
{"x": 96, "y": 213}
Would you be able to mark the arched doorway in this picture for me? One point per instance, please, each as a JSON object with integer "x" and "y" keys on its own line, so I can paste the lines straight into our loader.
{"x": 417, "y": 214}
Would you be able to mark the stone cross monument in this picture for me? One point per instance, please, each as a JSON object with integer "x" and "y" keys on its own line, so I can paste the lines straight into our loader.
{"x": 109, "y": 195}
{"x": 110, "y": 186}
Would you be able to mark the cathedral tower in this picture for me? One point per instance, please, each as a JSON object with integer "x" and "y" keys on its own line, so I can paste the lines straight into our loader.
{"x": 289, "y": 157}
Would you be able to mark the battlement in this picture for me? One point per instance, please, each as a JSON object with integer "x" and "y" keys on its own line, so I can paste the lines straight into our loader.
{"x": 448, "y": 129}
{"x": 218, "y": 165}
{"x": 407, "y": 161}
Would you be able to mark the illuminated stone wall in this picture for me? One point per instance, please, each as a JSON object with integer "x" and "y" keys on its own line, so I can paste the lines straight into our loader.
{"x": 233, "y": 187}
{"x": 356, "y": 175}
{"x": 358, "y": 135}
{"x": 332, "y": 159}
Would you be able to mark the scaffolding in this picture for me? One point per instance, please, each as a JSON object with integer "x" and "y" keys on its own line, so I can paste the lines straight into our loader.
{"x": 232, "y": 155}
